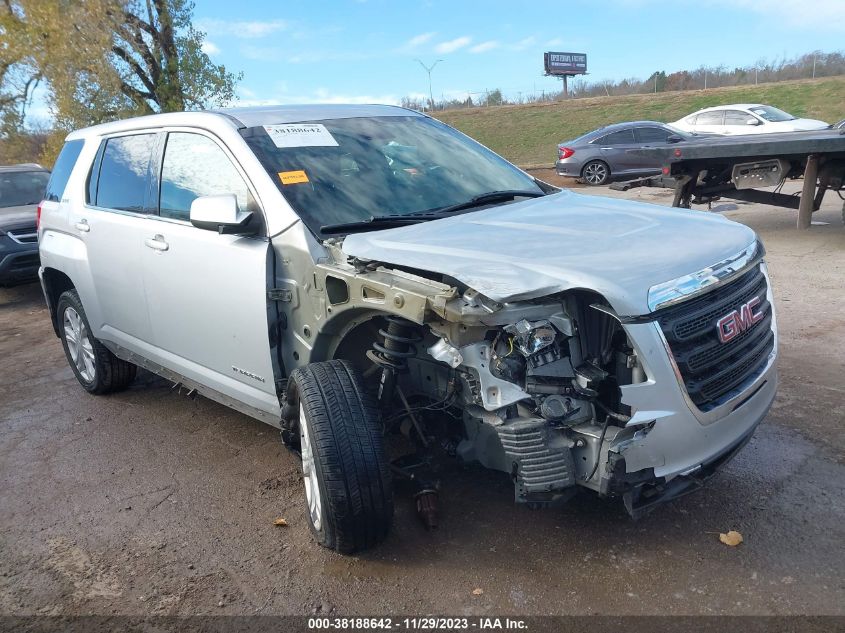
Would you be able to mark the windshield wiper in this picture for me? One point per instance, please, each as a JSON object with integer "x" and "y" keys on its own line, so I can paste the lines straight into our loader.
{"x": 375, "y": 222}
{"x": 488, "y": 198}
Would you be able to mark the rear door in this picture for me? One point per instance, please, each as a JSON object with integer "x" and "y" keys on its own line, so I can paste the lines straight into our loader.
{"x": 207, "y": 293}
{"x": 613, "y": 149}
{"x": 111, "y": 224}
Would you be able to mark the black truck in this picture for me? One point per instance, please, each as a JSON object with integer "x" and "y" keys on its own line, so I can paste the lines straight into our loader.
{"x": 738, "y": 167}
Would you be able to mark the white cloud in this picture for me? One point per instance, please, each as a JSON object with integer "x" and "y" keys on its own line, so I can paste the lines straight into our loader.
{"x": 210, "y": 48}
{"x": 554, "y": 42}
{"x": 524, "y": 43}
{"x": 823, "y": 14}
{"x": 489, "y": 45}
{"x": 419, "y": 40}
{"x": 826, "y": 15}
{"x": 321, "y": 95}
{"x": 453, "y": 45}
{"x": 243, "y": 29}
{"x": 261, "y": 53}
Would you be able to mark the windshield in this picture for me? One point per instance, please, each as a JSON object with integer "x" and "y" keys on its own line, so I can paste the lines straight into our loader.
{"x": 771, "y": 114}
{"x": 677, "y": 132}
{"x": 350, "y": 170}
{"x": 20, "y": 188}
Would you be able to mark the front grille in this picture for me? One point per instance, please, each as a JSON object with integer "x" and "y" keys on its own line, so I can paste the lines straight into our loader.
{"x": 24, "y": 262}
{"x": 27, "y": 235}
{"x": 713, "y": 371}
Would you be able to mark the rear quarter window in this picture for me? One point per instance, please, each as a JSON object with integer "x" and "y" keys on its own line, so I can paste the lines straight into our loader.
{"x": 61, "y": 170}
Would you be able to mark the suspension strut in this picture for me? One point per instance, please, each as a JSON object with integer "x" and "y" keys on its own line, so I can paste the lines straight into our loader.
{"x": 391, "y": 353}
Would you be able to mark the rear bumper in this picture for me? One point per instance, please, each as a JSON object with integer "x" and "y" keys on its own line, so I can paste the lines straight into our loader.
{"x": 18, "y": 262}
{"x": 566, "y": 168}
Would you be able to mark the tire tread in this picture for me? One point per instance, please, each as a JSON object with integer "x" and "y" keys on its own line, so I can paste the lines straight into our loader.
{"x": 349, "y": 455}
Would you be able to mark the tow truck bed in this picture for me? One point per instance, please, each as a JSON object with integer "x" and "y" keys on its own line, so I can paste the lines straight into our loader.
{"x": 739, "y": 166}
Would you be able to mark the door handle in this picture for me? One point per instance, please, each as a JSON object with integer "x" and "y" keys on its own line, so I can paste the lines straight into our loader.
{"x": 157, "y": 243}
{"x": 606, "y": 148}
{"x": 82, "y": 225}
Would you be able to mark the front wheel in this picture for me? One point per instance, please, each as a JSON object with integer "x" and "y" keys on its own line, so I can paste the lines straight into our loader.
{"x": 345, "y": 468}
{"x": 595, "y": 173}
{"x": 95, "y": 367}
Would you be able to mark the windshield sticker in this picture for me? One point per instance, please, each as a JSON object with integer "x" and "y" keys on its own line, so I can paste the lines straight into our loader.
{"x": 293, "y": 177}
{"x": 300, "y": 135}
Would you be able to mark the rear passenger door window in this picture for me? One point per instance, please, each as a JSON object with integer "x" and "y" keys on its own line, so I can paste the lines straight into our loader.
{"x": 194, "y": 166}
{"x": 622, "y": 137}
{"x": 123, "y": 182}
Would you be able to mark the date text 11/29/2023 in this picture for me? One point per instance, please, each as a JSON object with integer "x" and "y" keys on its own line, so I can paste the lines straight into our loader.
{"x": 426, "y": 623}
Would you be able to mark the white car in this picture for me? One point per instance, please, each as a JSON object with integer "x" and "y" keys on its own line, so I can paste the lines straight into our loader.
{"x": 745, "y": 118}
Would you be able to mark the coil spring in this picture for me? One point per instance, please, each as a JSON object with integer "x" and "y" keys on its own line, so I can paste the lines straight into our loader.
{"x": 398, "y": 344}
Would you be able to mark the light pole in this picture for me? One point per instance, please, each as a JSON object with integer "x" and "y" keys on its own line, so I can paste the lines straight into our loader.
{"x": 428, "y": 69}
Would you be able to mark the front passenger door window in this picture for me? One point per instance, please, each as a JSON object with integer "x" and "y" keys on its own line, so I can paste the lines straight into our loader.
{"x": 195, "y": 166}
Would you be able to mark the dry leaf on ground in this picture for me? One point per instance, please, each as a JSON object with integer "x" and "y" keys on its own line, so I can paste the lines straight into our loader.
{"x": 280, "y": 521}
{"x": 477, "y": 592}
{"x": 732, "y": 538}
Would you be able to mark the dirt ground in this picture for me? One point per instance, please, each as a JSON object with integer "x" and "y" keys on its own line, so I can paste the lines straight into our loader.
{"x": 146, "y": 502}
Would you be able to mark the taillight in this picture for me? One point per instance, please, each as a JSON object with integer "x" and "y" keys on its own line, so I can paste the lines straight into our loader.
{"x": 38, "y": 216}
{"x": 564, "y": 152}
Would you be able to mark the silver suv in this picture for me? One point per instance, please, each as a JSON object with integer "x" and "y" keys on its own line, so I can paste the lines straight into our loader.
{"x": 355, "y": 273}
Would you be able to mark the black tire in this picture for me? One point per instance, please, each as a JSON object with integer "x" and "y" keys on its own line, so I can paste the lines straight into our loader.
{"x": 350, "y": 465}
{"x": 595, "y": 173}
{"x": 110, "y": 373}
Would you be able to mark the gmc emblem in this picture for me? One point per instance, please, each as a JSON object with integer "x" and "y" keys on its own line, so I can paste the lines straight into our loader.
{"x": 735, "y": 323}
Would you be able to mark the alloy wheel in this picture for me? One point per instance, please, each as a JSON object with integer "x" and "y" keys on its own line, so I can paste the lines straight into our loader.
{"x": 79, "y": 344}
{"x": 309, "y": 473}
{"x": 595, "y": 173}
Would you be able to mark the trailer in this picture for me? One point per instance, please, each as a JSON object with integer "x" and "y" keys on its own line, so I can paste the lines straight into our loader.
{"x": 741, "y": 167}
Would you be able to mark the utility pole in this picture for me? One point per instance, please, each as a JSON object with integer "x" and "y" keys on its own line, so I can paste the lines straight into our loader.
{"x": 814, "y": 65}
{"x": 428, "y": 69}
{"x": 755, "y": 75}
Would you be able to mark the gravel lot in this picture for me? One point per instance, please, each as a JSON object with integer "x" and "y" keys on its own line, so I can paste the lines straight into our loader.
{"x": 147, "y": 502}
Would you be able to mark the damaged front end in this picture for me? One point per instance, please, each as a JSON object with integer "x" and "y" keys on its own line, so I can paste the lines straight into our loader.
{"x": 540, "y": 384}
{"x": 558, "y": 392}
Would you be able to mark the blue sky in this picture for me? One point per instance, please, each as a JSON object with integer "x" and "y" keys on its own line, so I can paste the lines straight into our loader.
{"x": 365, "y": 50}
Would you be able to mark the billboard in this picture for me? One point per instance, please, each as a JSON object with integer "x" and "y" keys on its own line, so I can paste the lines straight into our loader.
{"x": 565, "y": 63}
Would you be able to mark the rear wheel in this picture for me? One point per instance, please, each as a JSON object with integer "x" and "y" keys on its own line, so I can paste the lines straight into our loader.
{"x": 595, "y": 173}
{"x": 95, "y": 367}
{"x": 345, "y": 469}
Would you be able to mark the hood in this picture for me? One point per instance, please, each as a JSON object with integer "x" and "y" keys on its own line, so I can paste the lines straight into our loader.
{"x": 801, "y": 125}
{"x": 538, "y": 247}
{"x": 13, "y": 217}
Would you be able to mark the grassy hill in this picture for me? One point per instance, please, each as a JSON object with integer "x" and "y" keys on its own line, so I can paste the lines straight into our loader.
{"x": 528, "y": 134}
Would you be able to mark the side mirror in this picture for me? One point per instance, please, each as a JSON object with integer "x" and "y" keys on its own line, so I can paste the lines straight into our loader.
{"x": 219, "y": 213}
{"x": 752, "y": 122}
{"x": 674, "y": 138}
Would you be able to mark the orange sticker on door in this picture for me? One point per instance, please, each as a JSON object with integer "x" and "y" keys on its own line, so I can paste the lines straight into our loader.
{"x": 293, "y": 177}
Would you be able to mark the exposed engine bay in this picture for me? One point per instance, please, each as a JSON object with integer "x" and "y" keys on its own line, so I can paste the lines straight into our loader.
{"x": 530, "y": 389}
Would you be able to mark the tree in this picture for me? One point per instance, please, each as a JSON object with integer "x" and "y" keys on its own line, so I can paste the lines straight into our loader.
{"x": 19, "y": 73}
{"x": 108, "y": 59}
